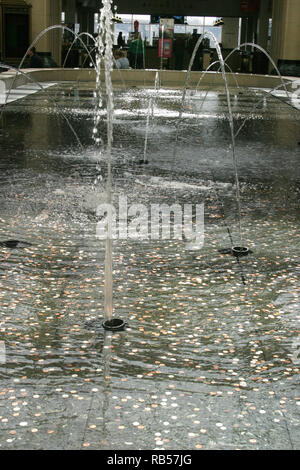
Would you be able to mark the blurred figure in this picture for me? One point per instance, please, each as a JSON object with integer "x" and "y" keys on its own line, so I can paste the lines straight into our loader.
{"x": 120, "y": 40}
{"x": 191, "y": 46}
{"x": 137, "y": 51}
{"x": 121, "y": 61}
{"x": 179, "y": 48}
{"x": 35, "y": 60}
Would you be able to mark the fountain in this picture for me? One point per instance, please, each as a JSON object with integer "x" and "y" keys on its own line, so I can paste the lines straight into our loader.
{"x": 145, "y": 161}
{"x": 105, "y": 54}
{"x": 105, "y": 51}
{"x": 236, "y": 251}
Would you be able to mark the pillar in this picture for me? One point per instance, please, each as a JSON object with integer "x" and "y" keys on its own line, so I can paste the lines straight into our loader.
{"x": 249, "y": 30}
{"x": 244, "y": 30}
{"x": 46, "y": 13}
{"x": 1, "y": 36}
{"x": 252, "y": 24}
{"x": 90, "y": 21}
{"x": 230, "y": 33}
{"x": 285, "y": 38}
{"x": 263, "y": 24}
{"x": 83, "y": 19}
{"x": 69, "y": 7}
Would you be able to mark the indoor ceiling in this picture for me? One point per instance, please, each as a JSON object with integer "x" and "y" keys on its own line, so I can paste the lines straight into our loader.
{"x": 234, "y": 8}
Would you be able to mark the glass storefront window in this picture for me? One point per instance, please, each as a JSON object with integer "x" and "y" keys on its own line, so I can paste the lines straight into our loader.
{"x": 151, "y": 31}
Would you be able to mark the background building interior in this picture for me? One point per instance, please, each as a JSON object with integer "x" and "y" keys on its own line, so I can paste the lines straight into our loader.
{"x": 272, "y": 24}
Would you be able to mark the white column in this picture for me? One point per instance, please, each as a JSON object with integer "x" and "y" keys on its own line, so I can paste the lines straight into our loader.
{"x": 285, "y": 39}
{"x": 263, "y": 24}
{"x": 46, "y": 13}
{"x": 230, "y": 33}
{"x": 69, "y": 7}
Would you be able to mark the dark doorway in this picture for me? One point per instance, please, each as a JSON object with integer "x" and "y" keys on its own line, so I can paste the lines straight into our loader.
{"x": 16, "y": 34}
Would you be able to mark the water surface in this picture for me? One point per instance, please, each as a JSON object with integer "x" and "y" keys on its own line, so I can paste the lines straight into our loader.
{"x": 210, "y": 356}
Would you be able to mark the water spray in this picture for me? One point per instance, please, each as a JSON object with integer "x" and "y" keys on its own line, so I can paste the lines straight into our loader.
{"x": 105, "y": 50}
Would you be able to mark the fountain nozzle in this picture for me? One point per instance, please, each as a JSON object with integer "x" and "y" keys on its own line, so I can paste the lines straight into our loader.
{"x": 239, "y": 251}
{"x": 115, "y": 324}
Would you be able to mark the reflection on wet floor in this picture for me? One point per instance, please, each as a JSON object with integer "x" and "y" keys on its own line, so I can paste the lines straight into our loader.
{"x": 208, "y": 361}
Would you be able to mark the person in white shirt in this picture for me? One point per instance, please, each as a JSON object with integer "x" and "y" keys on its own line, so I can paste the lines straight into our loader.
{"x": 121, "y": 61}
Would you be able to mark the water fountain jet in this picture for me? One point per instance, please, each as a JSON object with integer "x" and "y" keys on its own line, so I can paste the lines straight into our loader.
{"x": 232, "y": 133}
{"x": 29, "y": 77}
{"x": 105, "y": 48}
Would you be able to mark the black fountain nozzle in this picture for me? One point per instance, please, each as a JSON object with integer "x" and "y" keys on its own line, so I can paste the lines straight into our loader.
{"x": 239, "y": 251}
{"x": 143, "y": 162}
{"x": 115, "y": 324}
{"x": 14, "y": 244}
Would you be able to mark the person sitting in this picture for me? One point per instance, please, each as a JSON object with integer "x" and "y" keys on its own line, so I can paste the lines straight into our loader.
{"x": 121, "y": 61}
{"x": 35, "y": 60}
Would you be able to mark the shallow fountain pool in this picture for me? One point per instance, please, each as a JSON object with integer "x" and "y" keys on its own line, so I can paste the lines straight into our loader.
{"x": 210, "y": 359}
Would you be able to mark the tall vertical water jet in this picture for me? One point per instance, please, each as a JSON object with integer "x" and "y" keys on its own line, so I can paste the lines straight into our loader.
{"x": 105, "y": 52}
{"x": 161, "y": 52}
{"x": 240, "y": 250}
{"x": 150, "y": 112}
{"x": 235, "y": 161}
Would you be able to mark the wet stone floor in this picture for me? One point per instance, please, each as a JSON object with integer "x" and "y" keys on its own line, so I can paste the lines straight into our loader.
{"x": 210, "y": 358}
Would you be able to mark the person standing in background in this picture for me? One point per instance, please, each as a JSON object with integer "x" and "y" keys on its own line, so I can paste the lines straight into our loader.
{"x": 179, "y": 48}
{"x": 120, "y": 40}
{"x": 191, "y": 46}
{"x": 137, "y": 51}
